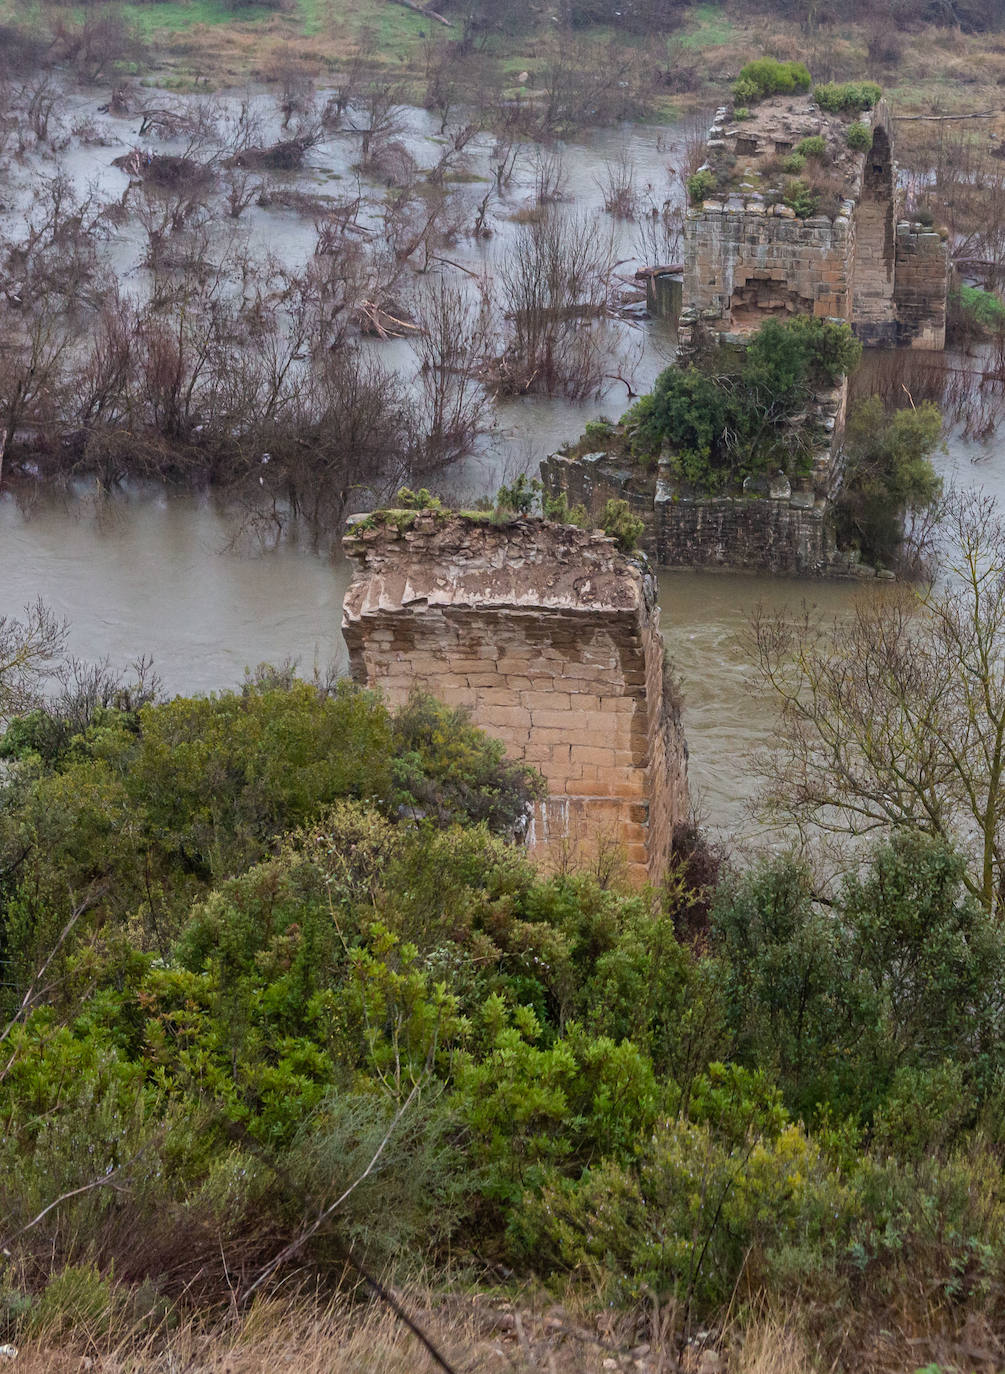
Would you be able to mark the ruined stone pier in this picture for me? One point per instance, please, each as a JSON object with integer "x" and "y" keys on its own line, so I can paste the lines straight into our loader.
{"x": 550, "y": 637}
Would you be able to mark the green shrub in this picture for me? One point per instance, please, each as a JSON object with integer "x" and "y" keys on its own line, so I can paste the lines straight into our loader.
{"x": 699, "y": 185}
{"x": 746, "y": 91}
{"x": 77, "y": 1299}
{"x": 598, "y": 431}
{"x": 855, "y": 1004}
{"x": 557, "y": 508}
{"x": 531, "y": 1106}
{"x": 814, "y": 147}
{"x": 693, "y": 1211}
{"x": 793, "y": 164}
{"x": 686, "y": 409}
{"x": 844, "y": 98}
{"x": 521, "y": 496}
{"x": 767, "y": 76}
{"x": 715, "y": 428}
{"x": 618, "y": 522}
{"x": 983, "y": 308}
{"x": 802, "y": 198}
{"x": 787, "y": 359}
{"x": 858, "y": 136}
{"x": 741, "y": 112}
{"x": 448, "y": 769}
{"x": 422, "y": 499}
{"x": 888, "y": 470}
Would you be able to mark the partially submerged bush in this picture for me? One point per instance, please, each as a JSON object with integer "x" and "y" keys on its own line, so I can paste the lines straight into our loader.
{"x": 983, "y": 309}
{"x": 888, "y": 471}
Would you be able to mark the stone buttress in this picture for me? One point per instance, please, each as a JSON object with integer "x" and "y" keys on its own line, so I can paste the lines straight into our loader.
{"x": 550, "y": 637}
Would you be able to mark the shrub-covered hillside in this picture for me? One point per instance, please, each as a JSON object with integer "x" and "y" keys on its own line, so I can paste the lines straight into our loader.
{"x": 282, "y": 998}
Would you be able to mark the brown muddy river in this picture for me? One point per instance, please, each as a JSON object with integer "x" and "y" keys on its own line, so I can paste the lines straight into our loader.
{"x": 188, "y": 582}
{"x": 182, "y": 579}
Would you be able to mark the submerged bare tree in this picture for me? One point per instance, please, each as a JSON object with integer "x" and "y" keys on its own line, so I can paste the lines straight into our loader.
{"x": 617, "y": 184}
{"x": 29, "y": 649}
{"x": 555, "y": 292}
{"x": 451, "y": 349}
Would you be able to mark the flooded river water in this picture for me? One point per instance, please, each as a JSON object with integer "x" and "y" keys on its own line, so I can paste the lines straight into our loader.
{"x": 182, "y": 579}
{"x": 176, "y": 576}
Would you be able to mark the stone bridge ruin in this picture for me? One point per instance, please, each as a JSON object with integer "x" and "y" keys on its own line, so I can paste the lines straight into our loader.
{"x": 550, "y": 637}
{"x": 747, "y": 256}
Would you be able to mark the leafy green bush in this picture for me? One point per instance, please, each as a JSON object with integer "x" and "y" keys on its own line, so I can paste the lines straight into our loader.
{"x": 845, "y": 1002}
{"x": 76, "y": 1299}
{"x": 793, "y": 164}
{"x": 983, "y": 308}
{"x": 557, "y": 508}
{"x": 685, "y": 410}
{"x": 446, "y": 768}
{"x": 858, "y": 136}
{"x": 598, "y": 431}
{"x": 766, "y": 76}
{"x": 786, "y": 359}
{"x": 422, "y": 499}
{"x": 692, "y": 413}
{"x": 694, "y": 1207}
{"x": 802, "y": 198}
{"x": 813, "y": 147}
{"x": 618, "y": 521}
{"x": 888, "y": 471}
{"x": 747, "y": 92}
{"x": 838, "y": 98}
{"x": 741, "y": 112}
{"x": 699, "y": 185}
{"x": 521, "y": 496}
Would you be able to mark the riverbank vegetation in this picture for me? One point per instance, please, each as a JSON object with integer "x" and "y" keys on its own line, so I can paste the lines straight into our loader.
{"x": 289, "y": 1021}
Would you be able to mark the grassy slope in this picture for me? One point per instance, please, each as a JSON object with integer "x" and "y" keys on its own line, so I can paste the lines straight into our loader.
{"x": 209, "y": 42}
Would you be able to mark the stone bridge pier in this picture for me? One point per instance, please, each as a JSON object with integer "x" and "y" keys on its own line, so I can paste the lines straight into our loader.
{"x": 550, "y": 637}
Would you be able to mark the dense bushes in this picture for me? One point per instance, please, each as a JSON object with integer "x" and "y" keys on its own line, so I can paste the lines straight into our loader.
{"x": 767, "y": 76}
{"x": 805, "y": 1099}
{"x": 718, "y": 429}
{"x": 858, "y": 136}
{"x": 888, "y": 472}
{"x": 838, "y": 98}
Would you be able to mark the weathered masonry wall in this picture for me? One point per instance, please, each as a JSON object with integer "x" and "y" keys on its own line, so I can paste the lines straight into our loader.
{"x": 744, "y": 263}
{"x": 921, "y": 286}
{"x": 747, "y": 256}
{"x": 550, "y": 637}
{"x": 873, "y": 311}
{"x": 773, "y": 530}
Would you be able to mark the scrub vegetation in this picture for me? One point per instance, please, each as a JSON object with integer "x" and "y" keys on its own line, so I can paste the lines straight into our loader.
{"x": 291, "y": 1022}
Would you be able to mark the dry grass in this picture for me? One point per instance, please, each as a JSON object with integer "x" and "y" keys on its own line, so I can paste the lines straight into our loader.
{"x": 473, "y": 1333}
{"x": 481, "y": 1333}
